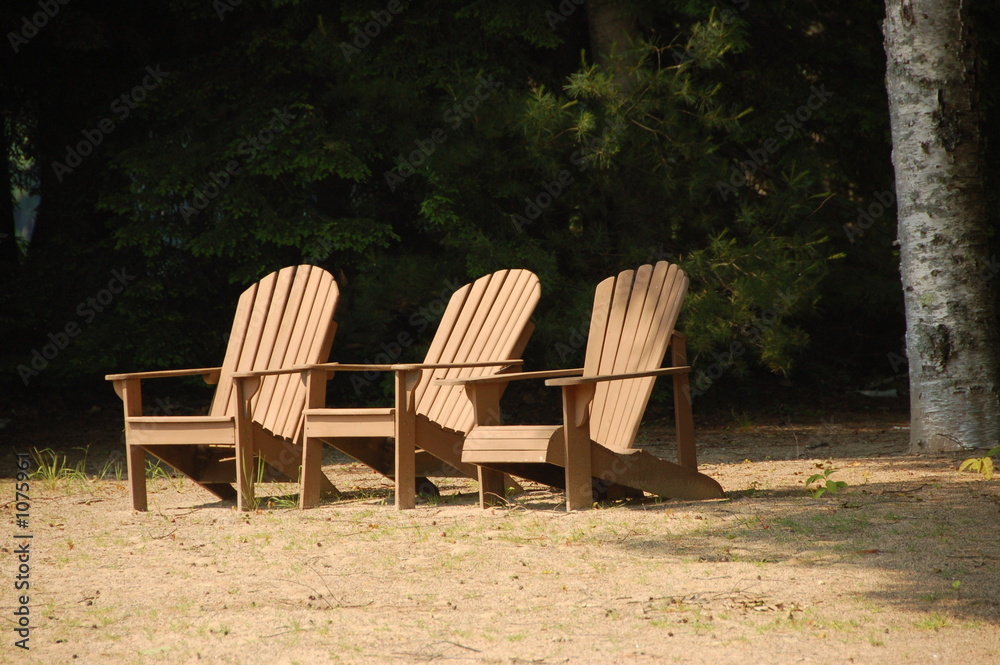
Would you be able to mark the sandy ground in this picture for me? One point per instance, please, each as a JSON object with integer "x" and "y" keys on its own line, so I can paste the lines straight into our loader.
{"x": 899, "y": 567}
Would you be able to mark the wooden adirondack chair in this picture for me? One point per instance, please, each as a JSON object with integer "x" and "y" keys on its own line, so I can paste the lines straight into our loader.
{"x": 285, "y": 319}
{"x": 484, "y": 329}
{"x": 603, "y": 402}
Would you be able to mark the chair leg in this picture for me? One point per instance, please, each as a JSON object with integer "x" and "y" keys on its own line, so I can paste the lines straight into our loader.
{"x": 687, "y": 455}
{"x": 491, "y": 487}
{"x": 130, "y": 391}
{"x": 579, "y": 488}
{"x": 486, "y": 407}
{"x": 136, "y": 461}
{"x": 246, "y": 466}
{"x": 405, "y": 438}
{"x": 312, "y": 467}
{"x": 406, "y": 480}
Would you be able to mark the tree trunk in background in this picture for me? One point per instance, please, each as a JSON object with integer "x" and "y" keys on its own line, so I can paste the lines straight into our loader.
{"x": 612, "y": 30}
{"x": 951, "y": 325}
{"x": 8, "y": 234}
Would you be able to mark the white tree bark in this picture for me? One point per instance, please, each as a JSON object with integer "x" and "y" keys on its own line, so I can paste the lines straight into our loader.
{"x": 951, "y": 323}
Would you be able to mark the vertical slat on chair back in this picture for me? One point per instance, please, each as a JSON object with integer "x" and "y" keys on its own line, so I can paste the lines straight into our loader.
{"x": 285, "y": 319}
{"x": 633, "y": 319}
{"x": 484, "y": 321}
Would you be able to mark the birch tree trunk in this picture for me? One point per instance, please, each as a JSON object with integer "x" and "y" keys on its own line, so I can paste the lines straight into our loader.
{"x": 951, "y": 325}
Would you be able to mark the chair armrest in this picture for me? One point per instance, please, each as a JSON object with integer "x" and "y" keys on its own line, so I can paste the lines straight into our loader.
{"x": 211, "y": 374}
{"x": 504, "y": 364}
{"x": 580, "y": 380}
{"x": 295, "y": 369}
{"x": 503, "y": 378}
{"x": 330, "y": 368}
{"x": 129, "y": 386}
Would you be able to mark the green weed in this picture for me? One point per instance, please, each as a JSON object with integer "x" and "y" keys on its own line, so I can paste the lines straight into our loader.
{"x": 822, "y": 481}
{"x": 286, "y": 501}
{"x": 258, "y": 479}
{"x": 154, "y": 470}
{"x": 51, "y": 467}
{"x": 936, "y": 621}
{"x": 742, "y": 420}
{"x": 112, "y": 467}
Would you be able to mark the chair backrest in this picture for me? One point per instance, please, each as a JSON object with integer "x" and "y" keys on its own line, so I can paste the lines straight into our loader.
{"x": 630, "y": 328}
{"x": 485, "y": 320}
{"x": 284, "y": 319}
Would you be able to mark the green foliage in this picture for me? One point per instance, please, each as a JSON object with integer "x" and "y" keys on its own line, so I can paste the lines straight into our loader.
{"x": 465, "y": 136}
{"x": 983, "y": 465}
{"x": 651, "y": 156}
{"x": 823, "y": 483}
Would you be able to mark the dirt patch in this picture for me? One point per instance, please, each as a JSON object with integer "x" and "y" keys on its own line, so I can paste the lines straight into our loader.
{"x": 901, "y": 566}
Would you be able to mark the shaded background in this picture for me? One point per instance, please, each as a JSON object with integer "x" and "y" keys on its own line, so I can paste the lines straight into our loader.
{"x": 409, "y": 147}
